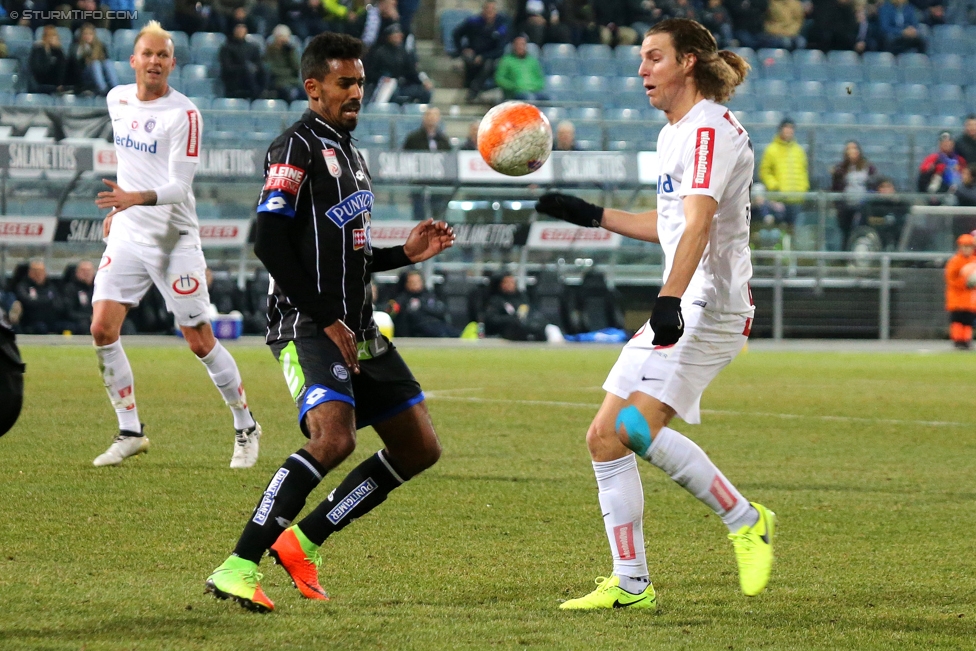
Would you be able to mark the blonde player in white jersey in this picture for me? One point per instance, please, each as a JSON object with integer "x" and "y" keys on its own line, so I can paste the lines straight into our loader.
{"x": 152, "y": 237}
{"x": 699, "y": 323}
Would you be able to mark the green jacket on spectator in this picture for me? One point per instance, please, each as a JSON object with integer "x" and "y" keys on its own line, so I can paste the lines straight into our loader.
{"x": 519, "y": 75}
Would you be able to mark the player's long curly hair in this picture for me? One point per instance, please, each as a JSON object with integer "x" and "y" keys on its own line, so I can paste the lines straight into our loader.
{"x": 717, "y": 72}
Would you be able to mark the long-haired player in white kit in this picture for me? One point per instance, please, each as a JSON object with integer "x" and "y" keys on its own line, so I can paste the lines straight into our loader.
{"x": 701, "y": 318}
{"x": 153, "y": 237}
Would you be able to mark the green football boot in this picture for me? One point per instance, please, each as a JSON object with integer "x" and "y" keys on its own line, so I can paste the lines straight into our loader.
{"x": 754, "y": 551}
{"x": 238, "y": 579}
{"x": 609, "y": 594}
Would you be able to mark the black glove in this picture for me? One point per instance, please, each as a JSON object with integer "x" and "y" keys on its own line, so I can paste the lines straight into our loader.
{"x": 570, "y": 209}
{"x": 666, "y": 321}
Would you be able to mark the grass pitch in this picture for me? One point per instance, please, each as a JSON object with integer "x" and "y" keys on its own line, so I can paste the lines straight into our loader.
{"x": 867, "y": 460}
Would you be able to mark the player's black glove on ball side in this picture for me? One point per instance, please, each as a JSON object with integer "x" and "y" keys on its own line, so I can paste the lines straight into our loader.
{"x": 570, "y": 209}
{"x": 666, "y": 321}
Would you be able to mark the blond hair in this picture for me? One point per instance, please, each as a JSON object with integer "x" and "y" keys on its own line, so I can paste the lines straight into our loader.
{"x": 717, "y": 72}
{"x": 152, "y": 28}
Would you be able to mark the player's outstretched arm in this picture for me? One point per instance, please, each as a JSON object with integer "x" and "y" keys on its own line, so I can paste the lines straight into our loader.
{"x": 638, "y": 226}
{"x": 427, "y": 239}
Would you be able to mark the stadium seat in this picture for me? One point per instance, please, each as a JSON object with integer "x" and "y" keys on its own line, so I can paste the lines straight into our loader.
{"x": 18, "y": 33}
{"x": 775, "y": 63}
{"x": 806, "y": 118}
{"x": 414, "y": 109}
{"x": 598, "y": 66}
{"x": 631, "y": 90}
{"x": 767, "y": 117}
{"x": 387, "y": 108}
{"x": 208, "y": 210}
{"x": 558, "y": 50}
{"x": 627, "y": 67}
{"x": 193, "y": 71}
{"x": 591, "y": 51}
{"x": 948, "y": 39}
{"x": 951, "y": 122}
{"x": 749, "y": 55}
{"x": 948, "y": 99}
{"x": 75, "y": 101}
{"x": 561, "y": 66}
{"x": 591, "y": 88}
{"x": 808, "y": 96}
{"x": 199, "y": 87}
{"x": 235, "y": 122}
{"x": 230, "y": 104}
{"x": 627, "y": 53}
{"x": 202, "y": 103}
{"x": 914, "y": 68}
{"x": 449, "y": 19}
{"x": 8, "y": 66}
{"x": 912, "y": 120}
{"x": 811, "y": 65}
{"x": 123, "y": 41}
{"x": 34, "y": 99}
{"x": 844, "y": 64}
{"x": 774, "y": 95}
{"x": 38, "y": 206}
{"x": 590, "y": 130}
{"x": 269, "y": 105}
{"x": 124, "y": 72}
{"x": 950, "y": 69}
{"x": 623, "y": 115}
{"x": 206, "y": 55}
{"x": 555, "y": 114}
{"x": 80, "y": 208}
{"x": 844, "y": 97}
{"x": 874, "y": 119}
{"x": 914, "y": 98}
{"x": 838, "y": 117}
{"x": 743, "y": 103}
{"x": 560, "y": 88}
{"x": 207, "y": 39}
{"x": 9, "y": 82}
{"x": 586, "y": 113}
{"x": 880, "y": 67}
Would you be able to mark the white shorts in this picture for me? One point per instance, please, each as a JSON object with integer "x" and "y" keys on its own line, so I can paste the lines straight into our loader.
{"x": 677, "y": 375}
{"x": 127, "y": 269}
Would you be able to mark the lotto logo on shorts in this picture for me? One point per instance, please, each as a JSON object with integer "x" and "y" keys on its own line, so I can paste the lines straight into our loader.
{"x": 623, "y": 536}
{"x": 184, "y": 285}
{"x": 704, "y": 150}
{"x": 284, "y": 177}
{"x": 193, "y": 134}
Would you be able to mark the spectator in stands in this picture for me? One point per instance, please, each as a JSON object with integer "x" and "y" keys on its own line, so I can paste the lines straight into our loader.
{"x": 519, "y": 74}
{"x": 541, "y": 21}
{"x": 852, "y": 176}
{"x": 304, "y": 17}
{"x": 374, "y": 19}
{"x": 391, "y": 60}
{"x": 241, "y": 68}
{"x": 77, "y": 23}
{"x": 966, "y": 143}
{"x": 783, "y": 25}
{"x": 255, "y": 24}
{"x": 228, "y": 13}
{"x": 266, "y": 12}
{"x": 899, "y": 27}
{"x": 770, "y": 216}
{"x": 281, "y": 59}
{"x": 565, "y": 137}
{"x": 966, "y": 190}
{"x": 88, "y": 63}
{"x": 748, "y": 17}
{"x": 472, "y": 142}
{"x": 77, "y": 298}
{"x": 417, "y": 312}
{"x": 48, "y": 64}
{"x": 933, "y": 12}
{"x": 960, "y": 298}
{"x": 835, "y": 26}
{"x": 941, "y": 171}
{"x": 645, "y": 14}
{"x": 885, "y": 214}
{"x": 192, "y": 16}
{"x": 342, "y": 15}
{"x": 125, "y": 11}
{"x": 784, "y": 167}
{"x": 407, "y": 9}
{"x": 481, "y": 42}
{"x": 510, "y": 315}
{"x": 615, "y": 19}
{"x": 679, "y": 9}
{"x": 429, "y": 137}
{"x": 43, "y": 309}
{"x": 715, "y": 17}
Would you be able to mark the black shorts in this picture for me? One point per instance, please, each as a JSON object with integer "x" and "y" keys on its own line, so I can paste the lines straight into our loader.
{"x": 316, "y": 373}
{"x": 962, "y": 316}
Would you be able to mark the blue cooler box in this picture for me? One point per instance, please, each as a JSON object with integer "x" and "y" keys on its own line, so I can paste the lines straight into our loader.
{"x": 228, "y": 326}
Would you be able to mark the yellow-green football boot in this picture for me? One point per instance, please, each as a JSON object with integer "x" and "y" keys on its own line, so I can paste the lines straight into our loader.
{"x": 754, "y": 551}
{"x": 609, "y": 594}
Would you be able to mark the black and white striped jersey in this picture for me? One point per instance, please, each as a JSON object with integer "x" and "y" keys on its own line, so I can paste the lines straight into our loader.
{"x": 313, "y": 232}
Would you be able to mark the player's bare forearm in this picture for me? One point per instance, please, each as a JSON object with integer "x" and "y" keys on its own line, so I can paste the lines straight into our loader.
{"x": 699, "y": 211}
{"x": 635, "y": 225}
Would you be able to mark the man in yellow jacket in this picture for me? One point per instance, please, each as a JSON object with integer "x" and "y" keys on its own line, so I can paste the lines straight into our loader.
{"x": 784, "y": 167}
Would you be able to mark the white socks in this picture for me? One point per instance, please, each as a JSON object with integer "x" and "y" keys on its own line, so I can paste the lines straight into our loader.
{"x": 622, "y": 501}
{"x": 689, "y": 466}
{"x": 117, "y": 376}
{"x": 223, "y": 371}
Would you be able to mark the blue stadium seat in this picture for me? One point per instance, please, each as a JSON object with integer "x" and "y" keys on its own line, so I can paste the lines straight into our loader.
{"x": 632, "y": 87}
{"x": 208, "y": 210}
{"x": 124, "y": 72}
{"x": 775, "y": 63}
{"x": 874, "y": 119}
{"x": 414, "y": 109}
{"x": 558, "y": 50}
{"x": 948, "y": 39}
{"x": 555, "y": 113}
{"x": 844, "y": 97}
{"x": 300, "y": 105}
{"x": 35, "y": 206}
{"x": 879, "y": 97}
{"x": 235, "y": 122}
{"x": 809, "y": 96}
{"x": 774, "y": 95}
{"x": 561, "y": 66}
{"x": 767, "y": 117}
{"x": 590, "y": 130}
{"x": 269, "y": 105}
{"x": 202, "y": 103}
{"x": 206, "y": 55}
{"x": 590, "y": 51}
{"x": 627, "y": 67}
{"x": 914, "y": 99}
{"x": 912, "y": 120}
{"x": 449, "y": 20}
{"x": 748, "y": 54}
{"x": 199, "y": 87}
{"x": 75, "y": 101}
{"x": 839, "y": 117}
{"x": 373, "y": 108}
{"x": 948, "y": 99}
{"x": 950, "y": 69}
{"x": 743, "y": 103}
{"x": 586, "y": 113}
{"x": 18, "y": 33}
{"x": 193, "y": 71}
{"x": 951, "y": 122}
{"x": 880, "y": 67}
{"x": 623, "y": 115}
{"x": 230, "y": 104}
{"x": 123, "y": 41}
{"x": 560, "y": 88}
{"x": 592, "y": 88}
{"x": 33, "y": 99}
{"x": 207, "y": 39}
{"x": 629, "y": 136}
{"x": 806, "y": 118}
{"x": 844, "y": 64}
{"x": 915, "y": 68}
{"x": 603, "y": 67}
{"x": 811, "y": 65}
{"x": 627, "y": 53}
{"x": 10, "y": 82}
{"x": 8, "y": 66}
{"x": 80, "y": 208}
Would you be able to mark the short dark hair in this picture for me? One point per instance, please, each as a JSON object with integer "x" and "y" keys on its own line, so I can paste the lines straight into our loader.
{"x": 325, "y": 47}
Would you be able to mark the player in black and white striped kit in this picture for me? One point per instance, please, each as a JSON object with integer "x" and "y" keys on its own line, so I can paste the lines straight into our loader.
{"x": 313, "y": 235}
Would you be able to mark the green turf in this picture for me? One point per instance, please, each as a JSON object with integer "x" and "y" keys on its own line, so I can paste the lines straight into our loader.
{"x": 874, "y": 540}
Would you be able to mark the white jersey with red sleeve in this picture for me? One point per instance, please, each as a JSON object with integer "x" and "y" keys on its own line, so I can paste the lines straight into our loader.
{"x": 708, "y": 152}
{"x": 149, "y": 137}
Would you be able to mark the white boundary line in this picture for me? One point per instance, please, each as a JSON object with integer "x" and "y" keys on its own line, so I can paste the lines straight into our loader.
{"x": 439, "y": 395}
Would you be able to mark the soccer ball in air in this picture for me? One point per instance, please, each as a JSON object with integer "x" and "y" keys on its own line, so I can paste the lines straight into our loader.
{"x": 968, "y": 272}
{"x": 515, "y": 138}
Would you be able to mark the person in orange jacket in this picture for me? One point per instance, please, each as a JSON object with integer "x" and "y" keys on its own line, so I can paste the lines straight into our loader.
{"x": 960, "y": 295}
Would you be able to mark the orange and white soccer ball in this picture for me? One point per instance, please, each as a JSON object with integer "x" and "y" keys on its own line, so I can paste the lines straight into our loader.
{"x": 968, "y": 272}
{"x": 515, "y": 138}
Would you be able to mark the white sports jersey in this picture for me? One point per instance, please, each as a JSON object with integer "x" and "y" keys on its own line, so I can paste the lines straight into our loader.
{"x": 148, "y": 136}
{"x": 708, "y": 152}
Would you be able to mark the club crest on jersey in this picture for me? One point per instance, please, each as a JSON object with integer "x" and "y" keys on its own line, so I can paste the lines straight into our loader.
{"x": 134, "y": 125}
{"x": 150, "y": 125}
{"x": 351, "y": 207}
{"x": 361, "y": 237}
{"x": 332, "y": 162}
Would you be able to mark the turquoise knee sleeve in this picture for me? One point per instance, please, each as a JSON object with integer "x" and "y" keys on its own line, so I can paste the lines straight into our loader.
{"x": 638, "y": 431}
